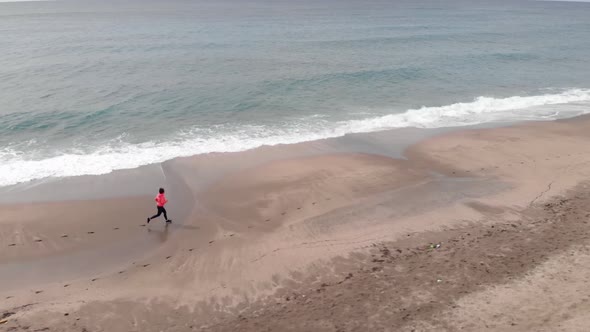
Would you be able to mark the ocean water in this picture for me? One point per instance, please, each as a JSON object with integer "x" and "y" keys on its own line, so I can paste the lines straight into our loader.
{"x": 88, "y": 87}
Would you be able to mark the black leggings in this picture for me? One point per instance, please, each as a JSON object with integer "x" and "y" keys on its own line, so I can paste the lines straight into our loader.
{"x": 160, "y": 211}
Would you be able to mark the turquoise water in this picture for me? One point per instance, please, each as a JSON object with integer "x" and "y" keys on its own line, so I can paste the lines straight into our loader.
{"x": 87, "y": 88}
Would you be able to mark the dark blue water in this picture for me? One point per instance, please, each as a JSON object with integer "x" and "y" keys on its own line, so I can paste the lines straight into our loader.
{"x": 86, "y": 88}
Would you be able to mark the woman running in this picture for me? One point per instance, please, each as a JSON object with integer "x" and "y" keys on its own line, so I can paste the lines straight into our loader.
{"x": 160, "y": 202}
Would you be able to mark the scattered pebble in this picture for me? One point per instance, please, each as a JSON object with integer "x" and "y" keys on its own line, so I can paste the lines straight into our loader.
{"x": 435, "y": 246}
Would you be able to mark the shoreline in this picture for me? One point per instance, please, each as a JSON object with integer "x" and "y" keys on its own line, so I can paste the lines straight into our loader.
{"x": 141, "y": 180}
{"x": 251, "y": 232}
{"x": 112, "y": 155}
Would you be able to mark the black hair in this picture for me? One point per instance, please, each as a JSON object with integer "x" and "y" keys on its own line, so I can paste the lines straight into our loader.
{"x": 161, "y": 190}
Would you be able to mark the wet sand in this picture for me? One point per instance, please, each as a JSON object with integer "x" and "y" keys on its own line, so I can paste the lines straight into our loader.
{"x": 318, "y": 237}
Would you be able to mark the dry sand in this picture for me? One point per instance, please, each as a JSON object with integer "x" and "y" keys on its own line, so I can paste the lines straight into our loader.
{"x": 322, "y": 242}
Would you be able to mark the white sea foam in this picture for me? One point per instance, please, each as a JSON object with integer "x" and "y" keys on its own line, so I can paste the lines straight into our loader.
{"x": 17, "y": 167}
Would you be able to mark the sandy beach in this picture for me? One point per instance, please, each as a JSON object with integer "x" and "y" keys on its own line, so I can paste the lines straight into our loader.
{"x": 472, "y": 229}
